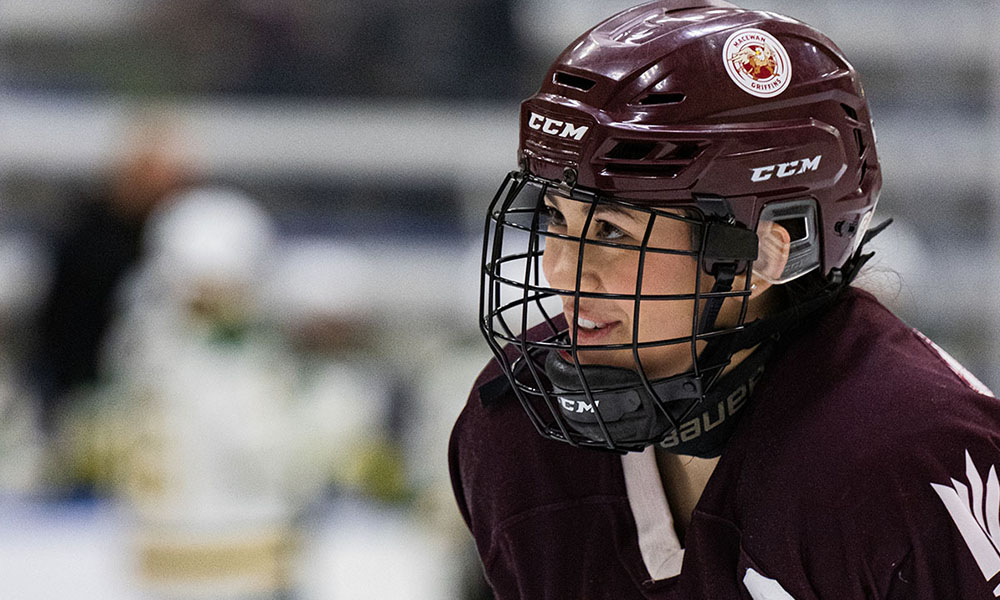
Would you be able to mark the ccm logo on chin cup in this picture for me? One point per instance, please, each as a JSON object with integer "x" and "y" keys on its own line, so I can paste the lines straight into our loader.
{"x": 563, "y": 129}
{"x": 786, "y": 169}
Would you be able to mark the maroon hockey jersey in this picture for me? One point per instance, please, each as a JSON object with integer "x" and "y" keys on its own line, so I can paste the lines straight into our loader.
{"x": 863, "y": 466}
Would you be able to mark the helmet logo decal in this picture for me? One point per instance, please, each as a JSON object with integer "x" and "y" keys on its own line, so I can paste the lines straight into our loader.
{"x": 578, "y": 406}
{"x": 563, "y": 129}
{"x": 786, "y": 169}
{"x": 757, "y": 62}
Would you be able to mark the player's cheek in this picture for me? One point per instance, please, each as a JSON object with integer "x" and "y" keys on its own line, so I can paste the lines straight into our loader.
{"x": 668, "y": 274}
{"x": 664, "y": 320}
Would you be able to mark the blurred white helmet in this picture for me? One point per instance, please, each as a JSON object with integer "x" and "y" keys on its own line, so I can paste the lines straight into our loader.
{"x": 210, "y": 237}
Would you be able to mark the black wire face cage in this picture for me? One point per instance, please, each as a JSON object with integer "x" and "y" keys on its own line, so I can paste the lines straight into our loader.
{"x": 534, "y": 328}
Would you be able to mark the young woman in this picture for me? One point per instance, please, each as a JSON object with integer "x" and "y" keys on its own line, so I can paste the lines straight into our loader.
{"x": 666, "y": 278}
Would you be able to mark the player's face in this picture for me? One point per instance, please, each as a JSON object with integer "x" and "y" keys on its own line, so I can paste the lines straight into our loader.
{"x": 615, "y": 271}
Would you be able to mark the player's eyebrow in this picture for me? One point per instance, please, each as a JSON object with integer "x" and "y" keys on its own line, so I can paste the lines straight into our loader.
{"x": 602, "y": 208}
{"x": 628, "y": 213}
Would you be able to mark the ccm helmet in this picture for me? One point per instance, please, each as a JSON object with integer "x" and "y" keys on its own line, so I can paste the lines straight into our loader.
{"x": 699, "y": 113}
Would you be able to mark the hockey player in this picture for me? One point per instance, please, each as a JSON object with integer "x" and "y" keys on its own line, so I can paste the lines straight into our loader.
{"x": 206, "y": 389}
{"x": 667, "y": 278}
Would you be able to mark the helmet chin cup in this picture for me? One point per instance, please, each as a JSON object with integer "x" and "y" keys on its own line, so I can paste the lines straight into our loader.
{"x": 615, "y": 402}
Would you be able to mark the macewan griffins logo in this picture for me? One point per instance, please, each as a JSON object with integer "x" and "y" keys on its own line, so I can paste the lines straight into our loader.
{"x": 757, "y": 63}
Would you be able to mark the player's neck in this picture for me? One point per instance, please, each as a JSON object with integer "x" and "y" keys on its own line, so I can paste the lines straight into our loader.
{"x": 684, "y": 479}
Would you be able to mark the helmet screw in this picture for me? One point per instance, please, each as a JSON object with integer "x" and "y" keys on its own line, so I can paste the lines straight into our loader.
{"x": 845, "y": 228}
{"x": 569, "y": 176}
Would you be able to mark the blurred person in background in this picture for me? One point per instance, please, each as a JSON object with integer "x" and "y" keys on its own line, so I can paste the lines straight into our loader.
{"x": 102, "y": 243}
{"x": 198, "y": 402}
{"x": 369, "y": 417}
{"x": 344, "y": 402}
{"x": 236, "y": 404}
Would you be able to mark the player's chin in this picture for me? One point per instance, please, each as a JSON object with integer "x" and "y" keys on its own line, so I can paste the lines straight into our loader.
{"x": 655, "y": 364}
{"x": 612, "y": 358}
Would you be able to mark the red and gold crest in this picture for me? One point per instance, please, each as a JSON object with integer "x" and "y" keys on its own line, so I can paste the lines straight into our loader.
{"x": 757, "y": 62}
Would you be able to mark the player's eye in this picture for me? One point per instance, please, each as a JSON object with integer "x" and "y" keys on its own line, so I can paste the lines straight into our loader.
{"x": 607, "y": 231}
{"x": 551, "y": 217}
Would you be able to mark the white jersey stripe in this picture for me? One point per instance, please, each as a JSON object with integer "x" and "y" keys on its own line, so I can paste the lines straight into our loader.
{"x": 764, "y": 588}
{"x": 956, "y": 367}
{"x": 661, "y": 550}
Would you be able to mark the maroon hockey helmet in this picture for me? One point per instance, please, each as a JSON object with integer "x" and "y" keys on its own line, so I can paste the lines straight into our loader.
{"x": 692, "y": 110}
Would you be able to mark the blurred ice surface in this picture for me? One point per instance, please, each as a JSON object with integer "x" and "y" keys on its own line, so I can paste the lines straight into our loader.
{"x": 351, "y": 551}
{"x": 74, "y": 551}
{"x": 362, "y": 551}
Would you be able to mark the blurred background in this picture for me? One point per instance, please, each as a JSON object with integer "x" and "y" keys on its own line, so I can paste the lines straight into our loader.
{"x": 239, "y": 270}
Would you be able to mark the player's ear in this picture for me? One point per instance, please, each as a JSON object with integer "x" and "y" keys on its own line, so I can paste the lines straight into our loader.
{"x": 773, "y": 246}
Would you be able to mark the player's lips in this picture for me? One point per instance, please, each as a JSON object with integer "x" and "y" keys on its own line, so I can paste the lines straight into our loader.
{"x": 593, "y": 329}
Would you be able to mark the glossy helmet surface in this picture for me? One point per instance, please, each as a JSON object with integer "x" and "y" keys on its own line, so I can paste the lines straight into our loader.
{"x": 725, "y": 116}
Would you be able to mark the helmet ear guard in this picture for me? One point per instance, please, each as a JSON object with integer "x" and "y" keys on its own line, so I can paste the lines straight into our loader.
{"x": 790, "y": 244}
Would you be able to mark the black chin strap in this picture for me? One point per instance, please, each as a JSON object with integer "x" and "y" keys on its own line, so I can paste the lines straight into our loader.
{"x": 729, "y": 249}
{"x": 725, "y": 274}
{"x": 706, "y": 429}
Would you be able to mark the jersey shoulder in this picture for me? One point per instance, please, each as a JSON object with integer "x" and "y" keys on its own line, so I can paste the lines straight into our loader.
{"x": 863, "y": 431}
{"x": 862, "y": 385}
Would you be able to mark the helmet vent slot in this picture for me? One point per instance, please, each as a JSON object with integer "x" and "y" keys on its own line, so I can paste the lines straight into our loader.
{"x": 850, "y": 111}
{"x": 671, "y": 11}
{"x": 648, "y": 158}
{"x": 631, "y": 150}
{"x": 645, "y": 170}
{"x": 860, "y": 141}
{"x": 654, "y": 99}
{"x": 573, "y": 81}
{"x": 680, "y": 151}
